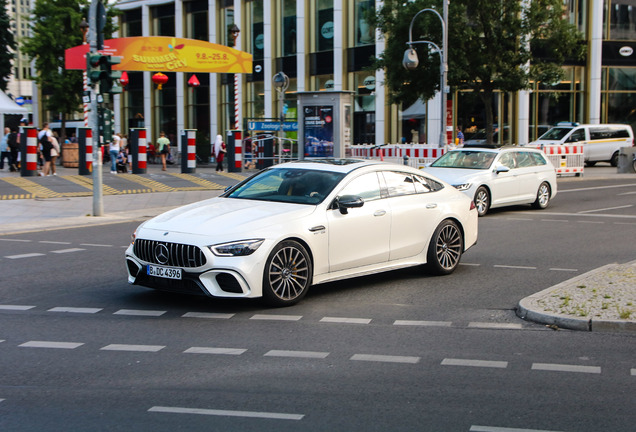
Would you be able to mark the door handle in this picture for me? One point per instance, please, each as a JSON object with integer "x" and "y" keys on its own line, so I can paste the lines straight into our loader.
{"x": 379, "y": 213}
{"x": 431, "y": 206}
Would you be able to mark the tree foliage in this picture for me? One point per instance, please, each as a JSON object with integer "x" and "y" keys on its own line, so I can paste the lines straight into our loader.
{"x": 493, "y": 45}
{"x": 7, "y": 44}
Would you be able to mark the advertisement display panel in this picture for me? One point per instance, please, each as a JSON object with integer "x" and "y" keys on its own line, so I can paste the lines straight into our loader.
{"x": 318, "y": 131}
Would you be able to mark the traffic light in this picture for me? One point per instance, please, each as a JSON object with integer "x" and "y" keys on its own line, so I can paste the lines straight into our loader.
{"x": 99, "y": 69}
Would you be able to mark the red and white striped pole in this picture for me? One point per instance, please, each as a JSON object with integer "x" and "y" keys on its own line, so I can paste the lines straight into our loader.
{"x": 141, "y": 151}
{"x": 30, "y": 168}
{"x": 238, "y": 150}
{"x": 89, "y": 150}
{"x": 192, "y": 149}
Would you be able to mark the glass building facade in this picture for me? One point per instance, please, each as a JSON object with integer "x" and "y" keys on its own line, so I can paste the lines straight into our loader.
{"x": 327, "y": 45}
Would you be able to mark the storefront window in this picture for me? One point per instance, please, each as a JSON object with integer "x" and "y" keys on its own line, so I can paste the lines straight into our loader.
{"x": 324, "y": 25}
{"x": 289, "y": 27}
{"x": 166, "y": 108}
{"x": 623, "y": 20}
{"x": 197, "y": 21}
{"x": 257, "y": 38}
{"x": 622, "y": 108}
{"x": 198, "y": 112}
{"x": 163, "y": 20}
{"x": 364, "y": 108}
{"x": 131, "y": 23}
{"x": 364, "y": 32}
{"x": 620, "y": 79}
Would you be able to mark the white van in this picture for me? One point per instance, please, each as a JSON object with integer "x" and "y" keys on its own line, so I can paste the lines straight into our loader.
{"x": 602, "y": 142}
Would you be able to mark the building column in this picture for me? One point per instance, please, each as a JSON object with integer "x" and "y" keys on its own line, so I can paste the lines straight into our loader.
{"x": 301, "y": 53}
{"x": 178, "y": 32}
{"x": 380, "y": 90}
{"x": 214, "y": 98}
{"x": 595, "y": 52}
{"x": 268, "y": 43}
{"x": 338, "y": 43}
{"x": 145, "y": 31}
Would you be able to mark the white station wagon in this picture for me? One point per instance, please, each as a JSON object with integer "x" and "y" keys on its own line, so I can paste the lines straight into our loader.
{"x": 498, "y": 177}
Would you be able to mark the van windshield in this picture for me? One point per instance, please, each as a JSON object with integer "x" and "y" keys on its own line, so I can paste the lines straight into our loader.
{"x": 555, "y": 134}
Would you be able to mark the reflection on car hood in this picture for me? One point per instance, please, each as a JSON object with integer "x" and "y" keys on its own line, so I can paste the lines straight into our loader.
{"x": 227, "y": 215}
{"x": 455, "y": 176}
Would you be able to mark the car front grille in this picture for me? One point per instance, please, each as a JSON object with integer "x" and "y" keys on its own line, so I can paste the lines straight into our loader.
{"x": 169, "y": 254}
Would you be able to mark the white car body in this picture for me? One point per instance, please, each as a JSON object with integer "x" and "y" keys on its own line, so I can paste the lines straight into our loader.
{"x": 382, "y": 234}
{"x": 506, "y": 182}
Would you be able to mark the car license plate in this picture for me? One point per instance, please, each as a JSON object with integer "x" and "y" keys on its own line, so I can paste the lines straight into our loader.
{"x": 164, "y": 272}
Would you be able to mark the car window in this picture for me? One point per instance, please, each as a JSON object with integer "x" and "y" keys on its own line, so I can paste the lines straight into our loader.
{"x": 399, "y": 183}
{"x": 555, "y": 134}
{"x": 365, "y": 186}
{"x": 524, "y": 159}
{"x": 538, "y": 158}
{"x": 508, "y": 160}
{"x": 470, "y": 159}
{"x": 424, "y": 184}
{"x": 607, "y": 132}
{"x": 577, "y": 135}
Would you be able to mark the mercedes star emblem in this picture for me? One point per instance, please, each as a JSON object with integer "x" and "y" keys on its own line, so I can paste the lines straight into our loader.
{"x": 161, "y": 253}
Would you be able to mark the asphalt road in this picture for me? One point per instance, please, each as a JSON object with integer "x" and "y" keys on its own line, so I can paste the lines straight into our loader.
{"x": 80, "y": 349}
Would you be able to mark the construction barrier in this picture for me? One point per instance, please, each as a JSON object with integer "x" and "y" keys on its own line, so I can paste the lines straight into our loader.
{"x": 415, "y": 155}
{"x": 567, "y": 158}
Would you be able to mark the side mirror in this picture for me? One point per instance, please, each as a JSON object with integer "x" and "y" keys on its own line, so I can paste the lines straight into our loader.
{"x": 346, "y": 202}
{"x": 501, "y": 169}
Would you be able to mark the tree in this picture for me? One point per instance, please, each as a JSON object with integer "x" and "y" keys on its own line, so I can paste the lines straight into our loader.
{"x": 493, "y": 45}
{"x": 8, "y": 44}
{"x": 55, "y": 27}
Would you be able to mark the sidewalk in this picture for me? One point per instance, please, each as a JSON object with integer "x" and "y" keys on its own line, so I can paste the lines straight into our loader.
{"x": 601, "y": 300}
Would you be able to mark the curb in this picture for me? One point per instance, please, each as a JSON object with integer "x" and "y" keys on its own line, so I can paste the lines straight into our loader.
{"x": 529, "y": 309}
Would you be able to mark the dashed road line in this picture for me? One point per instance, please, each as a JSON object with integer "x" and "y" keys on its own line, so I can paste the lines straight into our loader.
{"x": 207, "y": 315}
{"x": 53, "y": 242}
{"x": 132, "y": 348}
{"x": 71, "y": 250}
{"x": 517, "y": 267}
{"x": 135, "y": 312}
{"x": 346, "y": 320}
{"x": 566, "y": 368}
{"x": 604, "y": 209}
{"x": 217, "y": 351}
{"x": 275, "y": 317}
{"x": 29, "y": 255}
{"x": 633, "y": 372}
{"x": 16, "y": 307}
{"x": 95, "y": 245}
{"x": 76, "y": 310}
{"x": 475, "y": 363}
{"x": 50, "y": 344}
{"x": 563, "y": 269}
{"x": 16, "y": 240}
{"x": 423, "y": 323}
{"x": 493, "y": 325}
{"x": 227, "y": 413}
{"x": 385, "y": 358}
{"x": 476, "y": 428}
{"x": 296, "y": 354}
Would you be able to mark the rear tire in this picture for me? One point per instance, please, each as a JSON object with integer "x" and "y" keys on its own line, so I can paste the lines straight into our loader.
{"x": 445, "y": 249}
{"x": 543, "y": 196}
{"x": 614, "y": 160}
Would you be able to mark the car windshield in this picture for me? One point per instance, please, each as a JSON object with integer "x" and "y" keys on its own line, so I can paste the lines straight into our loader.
{"x": 290, "y": 185}
{"x": 465, "y": 159}
{"x": 555, "y": 134}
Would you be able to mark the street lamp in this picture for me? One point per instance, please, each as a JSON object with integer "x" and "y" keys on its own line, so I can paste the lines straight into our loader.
{"x": 281, "y": 82}
{"x": 411, "y": 61}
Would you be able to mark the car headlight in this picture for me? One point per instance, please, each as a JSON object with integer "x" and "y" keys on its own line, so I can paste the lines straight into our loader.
{"x": 463, "y": 187}
{"x": 237, "y": 248}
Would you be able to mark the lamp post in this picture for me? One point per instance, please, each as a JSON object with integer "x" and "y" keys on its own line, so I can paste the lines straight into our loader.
{"x": 281, "y": 82}
{"x": 411, "y": 61}
{"x": 234, "y": 33}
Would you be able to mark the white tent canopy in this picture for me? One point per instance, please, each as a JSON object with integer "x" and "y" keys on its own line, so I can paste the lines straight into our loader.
{"x": 8, "y": 106}
{"x": 415, "y": 111}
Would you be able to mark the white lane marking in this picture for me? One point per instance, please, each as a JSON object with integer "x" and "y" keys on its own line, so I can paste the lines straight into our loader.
{"x": 207, "y": 315}
{"x": 49, "y": 344}
{"x": 75, "y": 310}
{"x": 563, "y": 269}
{"x": 504, "y": 429}
{"x": 227, "y": 413}
{"x": 134, "y": 312}
{"x": 591, "y": 222}
{"x": 1, "y": 400}
{"x": 626, "y": 193}
{"x": 470, "y": 264}
{"x": 385, "y": 358}
{"x": 296, "y": 354}
{"x": 96, "y": 245}
{"x": 346, "y": 320}
{"x": 54, "y": 242}
{"x": 276, "y": 317}
{"x": 16, "y": 240}
{"x": 584, "y": 215}
{"x": 555, "y": 220}
{"x": 515, "y": 267}
{"x": 15, "y": 307}
{"x": 136, "y": 348}
{"x": 2, "y": 340}
{"x": 61, "y": 251}
{"x": 605, "y": 209}
{"x": 633, "y": 372}
{"x": 624, "y": 223}
{"x": 423, "y": 323}
{"x": 594, "y": 187}
{"x": 566, "y": 368}
{"x": 211, "y": 350}
{"x": 475, "y": 363}
{"x": 519, "y": 219}
{"x": 29, "y": 255}
{"x": 491, "y": 325}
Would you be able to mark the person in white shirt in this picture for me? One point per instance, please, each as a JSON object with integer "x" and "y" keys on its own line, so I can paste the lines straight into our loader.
{"x": 113, "y": 149}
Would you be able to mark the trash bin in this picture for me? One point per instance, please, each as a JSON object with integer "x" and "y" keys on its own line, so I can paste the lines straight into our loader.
{"x": 70, "y": 155}
{"x": 626, "y": 160}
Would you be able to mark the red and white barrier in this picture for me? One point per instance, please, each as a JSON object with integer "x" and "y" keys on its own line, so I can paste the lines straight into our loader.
{"x": 142, "y": 161}
{"x": 192, "y": 149}
{"x": 32, "y": 150}
{"x": 566, "y": 158}
{"x": 89, "y": 150}
{"x": 418, "y": 154}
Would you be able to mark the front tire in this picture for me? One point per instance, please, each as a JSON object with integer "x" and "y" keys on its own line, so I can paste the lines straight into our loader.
{"x": 614, "y": 160}
{"x": 287, "y": 275}
{"x": 543, "y": 196}
{"x": 445, "y": 249}
{"x": 482, "y": 201}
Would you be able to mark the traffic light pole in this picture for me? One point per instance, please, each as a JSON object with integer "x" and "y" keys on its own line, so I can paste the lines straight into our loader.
{"x": 98, "y": 200}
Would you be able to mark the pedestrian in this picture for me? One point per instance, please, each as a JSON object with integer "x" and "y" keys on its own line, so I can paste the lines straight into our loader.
{"x": 460, "y": 137}
{"x": 122, "y": 161}
{"x": 164, "y": 148}
{"x": 5, "y": 153}
{"x": 55, "y": 152}
{"x": 113, "y": 151}
{"x": 45, "y": 146}
{"x": 14, "y": 146}
{"x": 219, "y": 152}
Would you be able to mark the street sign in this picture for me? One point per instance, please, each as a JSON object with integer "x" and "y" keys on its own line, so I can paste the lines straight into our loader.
{"x": 272, "y": 126}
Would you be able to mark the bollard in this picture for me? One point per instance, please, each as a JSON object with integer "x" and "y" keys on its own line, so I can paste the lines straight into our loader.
{"x": 188, "y": 151}
{"x": 138, "y": 150}
{"x": 29, "y": 152}
{"x": 406, "y": 160}
{"x": 234, "y": 151}
{"x": 85, "y": 149}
